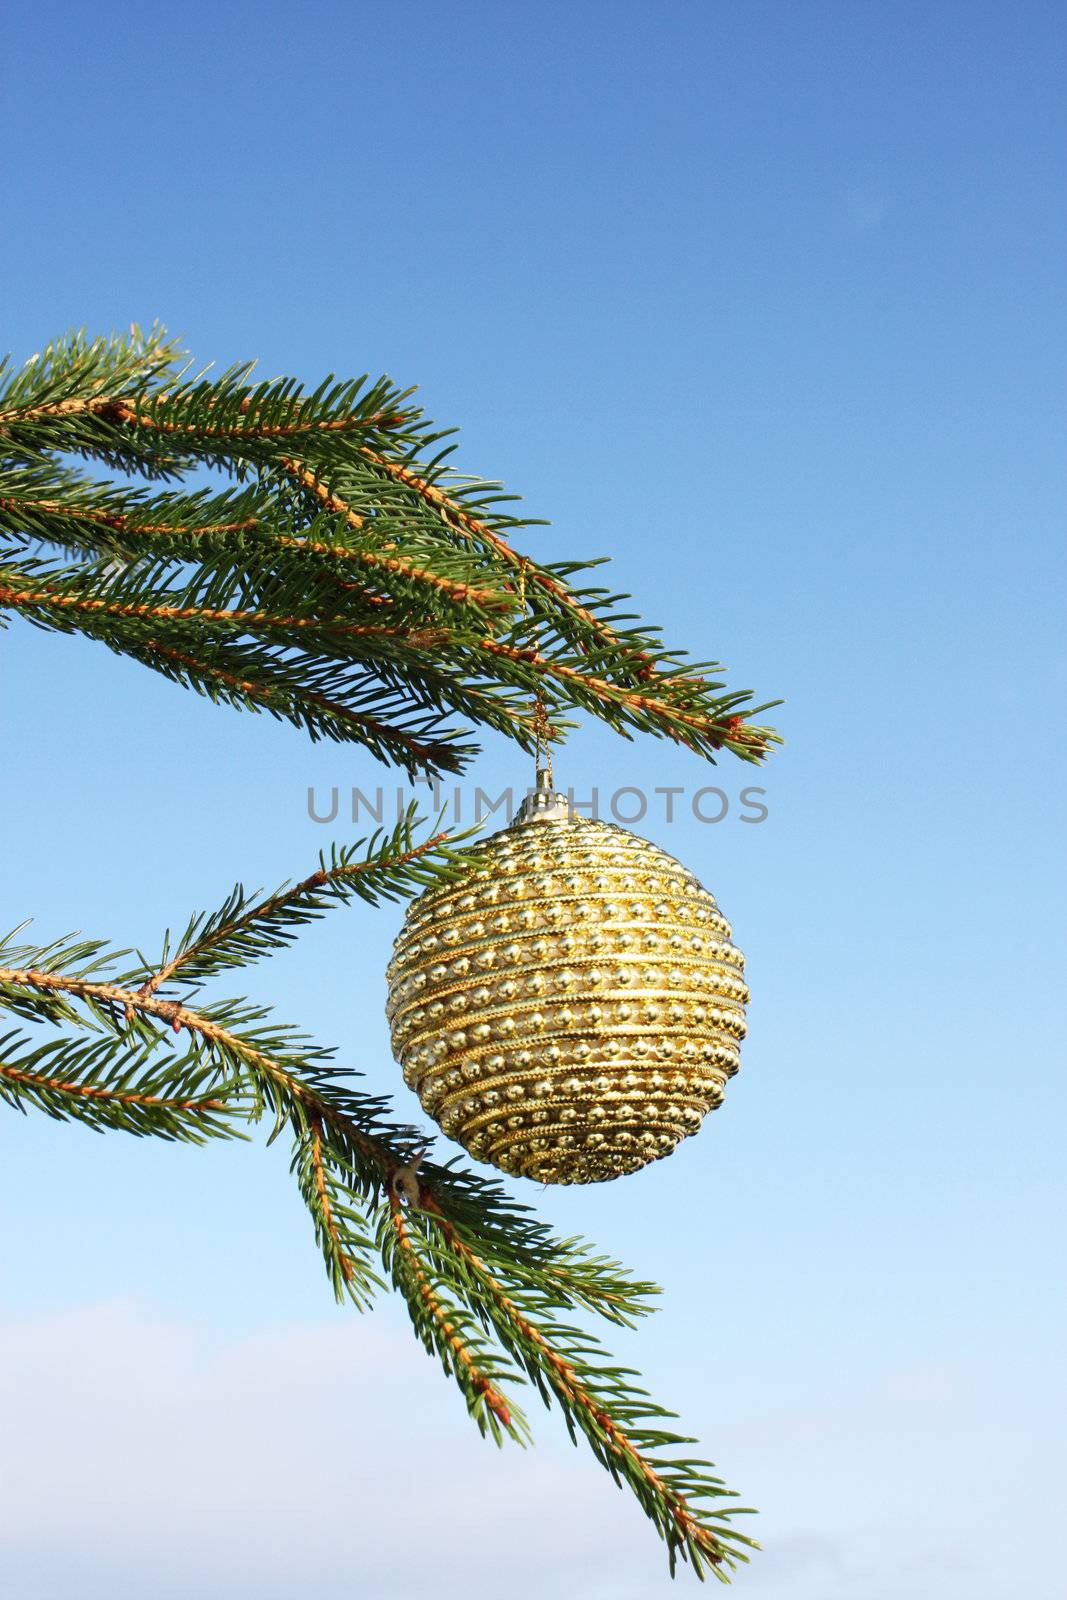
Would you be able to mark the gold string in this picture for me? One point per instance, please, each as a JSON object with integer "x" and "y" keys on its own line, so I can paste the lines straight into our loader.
{"x": 541, "y": 726}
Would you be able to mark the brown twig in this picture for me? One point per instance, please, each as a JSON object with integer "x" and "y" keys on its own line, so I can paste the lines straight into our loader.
{"x": 718, "y": 733}
{"x": 90, "y": 405}
{"x": 46, "y": 595}
{"x": 463, "y": 522}
{"x": 89, "y": 1091}
{"x": 482, "y": 1384}
{"x": 114, "y": 409}
{"x": 315, "y": 880}
{"x": 343, "y": 1261}
{"x": 117, "y": 520}
{"x": 426, "y": 754}
{"x": 309, "y": 480}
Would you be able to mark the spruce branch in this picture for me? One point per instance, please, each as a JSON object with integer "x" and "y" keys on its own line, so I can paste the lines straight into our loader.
{"x": 362, "y": 513}
{"x": 333, "y": 502}
{"x": 246, "y": 927}
{"x": 481, "y": 1279}
{"x": 349, "y": 581}
{"x": 340, "y": 1227}
{"x": 597, "y": 1399}
{"x": 110, "y": 1084}
{"x": 446, "y": 1329}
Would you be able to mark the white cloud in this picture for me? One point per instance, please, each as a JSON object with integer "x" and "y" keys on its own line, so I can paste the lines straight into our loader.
{"x": 152, "y": 1458}
{"x": 143, "y": 1458}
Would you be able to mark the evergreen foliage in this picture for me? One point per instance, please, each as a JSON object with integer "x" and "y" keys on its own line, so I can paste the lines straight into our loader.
{"x": 348, "y": 582}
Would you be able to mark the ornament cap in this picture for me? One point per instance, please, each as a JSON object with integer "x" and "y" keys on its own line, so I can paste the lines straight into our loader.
{"x": 543, "y": 803}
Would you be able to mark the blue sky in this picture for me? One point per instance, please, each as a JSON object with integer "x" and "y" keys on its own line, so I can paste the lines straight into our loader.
{"x": 765, "y": 302}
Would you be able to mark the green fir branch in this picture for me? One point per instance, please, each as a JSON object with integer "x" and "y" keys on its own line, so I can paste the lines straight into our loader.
{"x": 347, "y": 492}
{"x": 469, "y": 1262}
{"x": 348, "y": 580}
{"x": 112, "y": 1085}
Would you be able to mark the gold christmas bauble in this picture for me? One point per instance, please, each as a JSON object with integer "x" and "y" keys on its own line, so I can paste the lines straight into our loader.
{"x": 571, "y": 1009}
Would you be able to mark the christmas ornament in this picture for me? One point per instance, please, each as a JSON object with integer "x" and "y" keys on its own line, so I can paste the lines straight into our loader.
{"x": 571, "y": 1009}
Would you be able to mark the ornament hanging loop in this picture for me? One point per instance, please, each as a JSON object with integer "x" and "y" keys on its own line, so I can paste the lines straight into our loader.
{"x": 543, "y": 736}
{"x": 542, "y": 728}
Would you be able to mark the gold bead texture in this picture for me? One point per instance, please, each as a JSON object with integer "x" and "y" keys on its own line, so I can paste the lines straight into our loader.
{"x": 573, "y": 1008}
